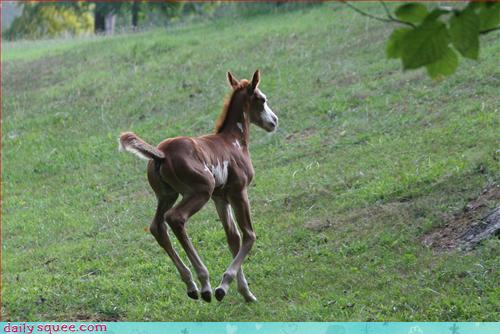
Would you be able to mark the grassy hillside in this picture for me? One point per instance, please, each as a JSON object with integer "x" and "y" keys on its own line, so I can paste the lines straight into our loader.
{"x": 367, "y": 160}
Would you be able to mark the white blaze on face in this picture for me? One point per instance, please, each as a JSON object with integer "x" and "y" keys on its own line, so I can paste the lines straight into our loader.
{"x": 267, "y": 114}
{"x": 219, "y": 172}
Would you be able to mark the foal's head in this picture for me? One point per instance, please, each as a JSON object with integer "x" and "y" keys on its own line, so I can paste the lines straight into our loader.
{"x": 258, "y": 110}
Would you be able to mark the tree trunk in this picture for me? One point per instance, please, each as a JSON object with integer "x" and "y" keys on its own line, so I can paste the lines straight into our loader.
{"x": 135, "y": 14}
{"x": 99, "y": 22}
{"x": 488, "y": 226}
{"x": 110, "y": 23}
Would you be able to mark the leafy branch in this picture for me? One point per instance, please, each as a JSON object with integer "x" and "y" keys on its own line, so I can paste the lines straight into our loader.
{"x": 431, "y": 37}
{"x": 487, "y": 31}
{"x": 389, "y": 17}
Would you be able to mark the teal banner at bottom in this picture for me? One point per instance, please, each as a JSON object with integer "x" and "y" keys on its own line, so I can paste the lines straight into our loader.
{"x": 253, "y": 327}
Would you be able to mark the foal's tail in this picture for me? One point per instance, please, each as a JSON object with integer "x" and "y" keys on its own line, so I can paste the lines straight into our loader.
{"x": 129, "y": 141}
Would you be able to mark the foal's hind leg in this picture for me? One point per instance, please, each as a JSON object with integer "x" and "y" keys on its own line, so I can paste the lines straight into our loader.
{"x": 166, "y": 199}
{"x": 234, "y": 241}
{"x": 159, "y": 229}
{"x": 176, "y": 219}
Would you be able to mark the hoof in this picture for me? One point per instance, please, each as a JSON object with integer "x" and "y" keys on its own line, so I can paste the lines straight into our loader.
{"x": 206, "y": 296}
{"x": 219, "y": 293}
{"x": 193, "y": 294}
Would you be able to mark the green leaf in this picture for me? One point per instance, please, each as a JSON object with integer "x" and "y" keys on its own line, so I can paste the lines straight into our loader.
{"x": 444, "y": 66}
{"x": 489, "y": 16}
{"x": 437, "y": 13}
{"x": 464, "y": 32}
{"x": 411, "y": 12}
{"x": 425, "y": 44}
{"x": 393, "y": 49}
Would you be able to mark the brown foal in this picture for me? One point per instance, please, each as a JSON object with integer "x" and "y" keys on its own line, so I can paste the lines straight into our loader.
{"x": 216, "y": 166}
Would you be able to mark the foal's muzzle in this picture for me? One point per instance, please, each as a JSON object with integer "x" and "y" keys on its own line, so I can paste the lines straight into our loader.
{"x": 274, "y": 124}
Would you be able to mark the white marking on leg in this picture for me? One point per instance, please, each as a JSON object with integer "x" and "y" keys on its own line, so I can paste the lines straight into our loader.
{"x": 236, "y": 143}
{"x": 219, "y": 172}
{"x": 240, "y": 126}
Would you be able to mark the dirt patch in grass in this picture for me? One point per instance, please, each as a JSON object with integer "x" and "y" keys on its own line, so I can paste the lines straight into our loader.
{"x": 96, "y": 318}
{"x": 39, "y": 73}
{"x": 472, "y": 220}
{"x": 301, "y": 135}
{"x": 366, "y": 215}
{"x": 319, "y": 224}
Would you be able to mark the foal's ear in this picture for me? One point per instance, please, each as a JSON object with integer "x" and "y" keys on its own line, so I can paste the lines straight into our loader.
{"x": 255, "y": 80}
{"x": 232, "y": 80}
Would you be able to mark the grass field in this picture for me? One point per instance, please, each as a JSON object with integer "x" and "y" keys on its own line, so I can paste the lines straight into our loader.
{"x": 367, "y": 160}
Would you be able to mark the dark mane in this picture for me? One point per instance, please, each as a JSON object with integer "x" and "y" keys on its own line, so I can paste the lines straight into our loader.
{"x": 221, "y": 120}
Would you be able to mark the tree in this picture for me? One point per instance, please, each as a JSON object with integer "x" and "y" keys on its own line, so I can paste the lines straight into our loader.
{"x": 104, "y": 16}
{"x": 40, "y": 20}
{"x": 135, "y": 13}
{"x": 432, "y": 37}
{"x": 170, "y": 9}
{"x": 139, "y": 8}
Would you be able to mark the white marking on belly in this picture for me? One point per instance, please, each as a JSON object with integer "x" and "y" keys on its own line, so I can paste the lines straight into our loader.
{"x": 219, "y": 172}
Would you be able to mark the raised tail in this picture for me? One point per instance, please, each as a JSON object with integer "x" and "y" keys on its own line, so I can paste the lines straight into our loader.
{"x": 129, "y": 141}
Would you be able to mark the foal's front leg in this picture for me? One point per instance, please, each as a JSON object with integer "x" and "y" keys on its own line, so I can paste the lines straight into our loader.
{"x": 234, "y": 242}
{"x": 176, "y": 219}
{"x": 241, "y": 208}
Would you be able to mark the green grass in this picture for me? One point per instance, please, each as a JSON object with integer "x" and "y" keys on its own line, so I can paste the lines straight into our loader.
{"x": 382, "y": 155}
